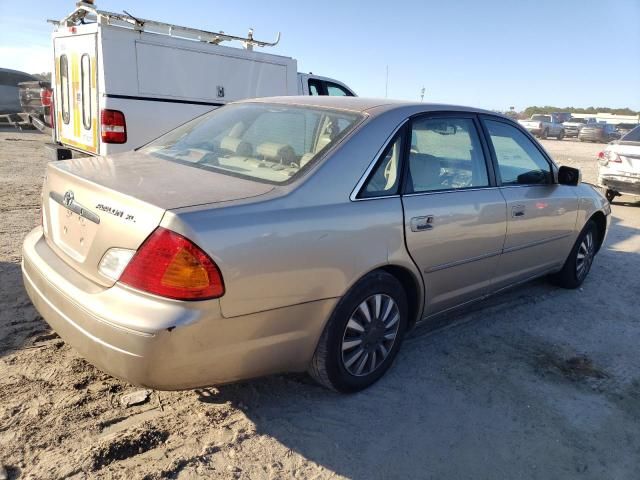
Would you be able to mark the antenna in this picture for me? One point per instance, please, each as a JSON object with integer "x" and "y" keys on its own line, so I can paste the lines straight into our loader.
{"x": 422, "y": 90}
{"x": 386, "y": 85}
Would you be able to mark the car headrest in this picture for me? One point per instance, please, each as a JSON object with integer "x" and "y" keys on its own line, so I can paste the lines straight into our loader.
{"x": 277, "y": 151}
{"x": 237, "y": 146}
{"x": 425, "y": 171}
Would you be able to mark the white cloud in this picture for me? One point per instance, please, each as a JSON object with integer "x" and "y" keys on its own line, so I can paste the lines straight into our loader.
{"x": 35, "y": 59}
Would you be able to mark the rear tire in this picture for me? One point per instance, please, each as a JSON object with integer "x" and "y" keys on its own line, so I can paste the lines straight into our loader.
{"x": 578, "y": 263}
{"x": 544, "y": 134}
{"x": 353, "y": 352}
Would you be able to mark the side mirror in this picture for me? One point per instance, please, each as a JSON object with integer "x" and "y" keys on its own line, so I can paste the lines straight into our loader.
{"x": 569, "y": 176}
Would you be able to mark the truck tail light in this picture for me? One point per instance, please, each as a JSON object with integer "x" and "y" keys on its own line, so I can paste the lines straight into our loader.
{"x": 52, "y": 116}
{"x": 170, "y": 265}
{"x": 113, "y": 127}
{"x": 45, "y": 97}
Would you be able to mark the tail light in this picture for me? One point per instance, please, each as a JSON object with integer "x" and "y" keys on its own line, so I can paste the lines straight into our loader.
{"x": 170, "y": 265}
{"x": 45, "y": 97}
{"x": 113, "y": 127}
{"x": 607, "y": 156}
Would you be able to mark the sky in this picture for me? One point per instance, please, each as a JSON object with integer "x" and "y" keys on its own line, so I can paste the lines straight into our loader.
{"x": 493, "y": 54}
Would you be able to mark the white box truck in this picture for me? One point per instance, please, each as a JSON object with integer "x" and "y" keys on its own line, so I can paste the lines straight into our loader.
{"x": 120, "y": 81}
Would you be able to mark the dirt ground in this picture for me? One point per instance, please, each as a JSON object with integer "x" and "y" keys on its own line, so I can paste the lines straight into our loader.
{"x": 537, "y": 383}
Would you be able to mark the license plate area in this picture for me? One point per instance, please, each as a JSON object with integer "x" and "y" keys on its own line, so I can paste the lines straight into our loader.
{"x": 71, "y": 231}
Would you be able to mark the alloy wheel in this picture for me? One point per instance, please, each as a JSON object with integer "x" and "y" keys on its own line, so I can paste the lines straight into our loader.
{"x": 584, "y": 256}
{"x": 370, "y": 334}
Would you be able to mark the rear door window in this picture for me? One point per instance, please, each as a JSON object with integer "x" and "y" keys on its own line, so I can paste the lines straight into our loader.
{"x": 445, "y": 154}
{"x": 335, "y": 90}
{"x": 315, "y": 87}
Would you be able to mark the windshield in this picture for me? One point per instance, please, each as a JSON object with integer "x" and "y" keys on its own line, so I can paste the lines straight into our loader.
{"x": 266, "y": 142}
{"x": 541, "y": 118}
{"x": 632, "y": 136}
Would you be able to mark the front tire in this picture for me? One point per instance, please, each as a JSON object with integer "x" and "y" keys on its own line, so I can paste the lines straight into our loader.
{"x": 363, "y": 335}
{"x": 561, "y": 135}
{"x": 578, "y": 263}
{"x": 610, "y": 195}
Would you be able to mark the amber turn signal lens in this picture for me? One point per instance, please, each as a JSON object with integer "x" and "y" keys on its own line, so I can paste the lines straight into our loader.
{"x": 170, "y": 265}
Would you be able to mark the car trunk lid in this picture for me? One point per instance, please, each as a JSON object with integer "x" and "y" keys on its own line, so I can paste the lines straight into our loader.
{"x": 93, "y": 204}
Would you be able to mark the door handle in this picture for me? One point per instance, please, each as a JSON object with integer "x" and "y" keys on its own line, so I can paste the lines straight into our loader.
{"x": 419, "y": 224}
{"x": 517, "y": 211}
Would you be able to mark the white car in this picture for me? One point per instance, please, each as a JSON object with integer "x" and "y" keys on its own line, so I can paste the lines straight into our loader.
{"x": 619, "y": 166}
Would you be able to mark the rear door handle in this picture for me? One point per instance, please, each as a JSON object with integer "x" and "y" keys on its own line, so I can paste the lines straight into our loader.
{"x": 420, "y": 224}
{"x": 517, "y": 211}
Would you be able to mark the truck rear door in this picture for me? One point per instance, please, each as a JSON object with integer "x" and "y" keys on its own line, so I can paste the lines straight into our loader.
{"x": 76, "y": 91}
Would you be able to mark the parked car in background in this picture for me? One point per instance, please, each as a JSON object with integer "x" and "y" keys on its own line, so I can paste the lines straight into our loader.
{"x": 35, "y": 100}
{"x": 299, "y": 233}
{"x": 561, "y": 117}
{"x": 619, "y": 166}
{"x": 9, "y": 94}
{"x": 624, "y": 128}
{"x": 573, "y": 126}
{"x": 598, "y": 132}
{"x": 543, "y": 126}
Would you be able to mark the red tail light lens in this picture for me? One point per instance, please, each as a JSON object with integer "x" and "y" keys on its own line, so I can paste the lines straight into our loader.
{"x": 45, "y": 97}
{"x": 170, "y": 265}
{"x": 52, "y": 113}
{"x": 113, "y": 127}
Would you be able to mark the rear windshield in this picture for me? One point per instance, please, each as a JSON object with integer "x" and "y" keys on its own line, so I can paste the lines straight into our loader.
{"x": 270, "y": 143}
{"x": 541, "y": 118}
{"x": 577, "y": 120}
{"x": 632, "y": 136}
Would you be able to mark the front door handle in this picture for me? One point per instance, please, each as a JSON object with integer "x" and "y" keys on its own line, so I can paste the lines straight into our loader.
{"x": 420, "y": 224}
{"x": 517, "y": 211}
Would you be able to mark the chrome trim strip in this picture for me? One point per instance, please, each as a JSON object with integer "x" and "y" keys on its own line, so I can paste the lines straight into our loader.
{"x": 462, "y": 262}
{"x": 536, "y": 243}
{"x": 450, "y": 190}
{"x": 75, "y": 207}
{"x": 354, "y": 193}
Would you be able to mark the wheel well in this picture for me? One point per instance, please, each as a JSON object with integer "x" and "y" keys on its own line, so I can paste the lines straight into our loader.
{"x": 601, "y": 223}
{"x": 411, "y": 287}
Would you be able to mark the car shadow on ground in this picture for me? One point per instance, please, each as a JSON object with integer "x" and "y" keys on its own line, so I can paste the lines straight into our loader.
{"x": 515, "y": 386}
{"x": 20, "y": 324}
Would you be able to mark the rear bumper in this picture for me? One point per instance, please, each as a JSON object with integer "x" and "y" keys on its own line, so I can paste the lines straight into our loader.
{"x": 623, "y": 184}
{"x": 165, "y": 344}
{"x": 534, "y": 131}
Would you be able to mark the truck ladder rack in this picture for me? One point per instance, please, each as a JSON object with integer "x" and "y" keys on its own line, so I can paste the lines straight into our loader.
{"x": 87, "y": 11}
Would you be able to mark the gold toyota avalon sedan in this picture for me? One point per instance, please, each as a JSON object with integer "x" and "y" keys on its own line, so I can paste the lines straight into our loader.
{"x": 299, "y": 234}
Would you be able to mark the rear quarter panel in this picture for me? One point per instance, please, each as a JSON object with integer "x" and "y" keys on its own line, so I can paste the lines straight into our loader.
{"x": 307, "y": 242}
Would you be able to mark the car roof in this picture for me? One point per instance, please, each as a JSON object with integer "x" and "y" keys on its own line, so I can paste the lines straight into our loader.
{"x": 371, "y": 106}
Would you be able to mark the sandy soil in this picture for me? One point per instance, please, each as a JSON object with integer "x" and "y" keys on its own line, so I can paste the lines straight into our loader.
{"x": 535, "y": 383}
